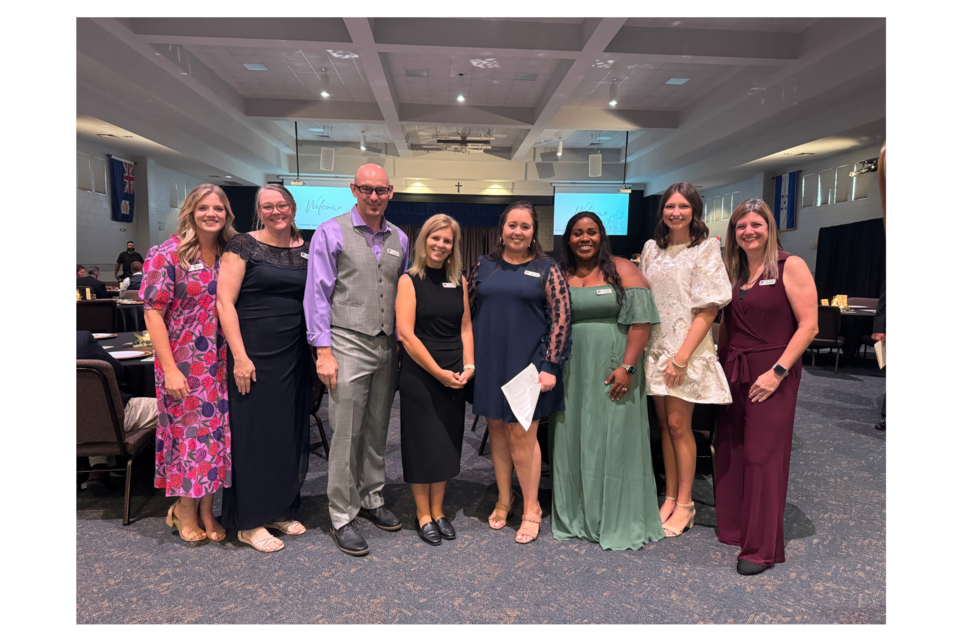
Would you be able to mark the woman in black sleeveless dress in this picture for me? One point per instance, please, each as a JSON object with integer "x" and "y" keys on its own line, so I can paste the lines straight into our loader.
{"x": 260, "y": 304}
{"x": 433, "y": 323}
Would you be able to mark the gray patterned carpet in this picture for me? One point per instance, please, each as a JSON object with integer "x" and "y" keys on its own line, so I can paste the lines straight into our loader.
{"x": 835, "y": 570}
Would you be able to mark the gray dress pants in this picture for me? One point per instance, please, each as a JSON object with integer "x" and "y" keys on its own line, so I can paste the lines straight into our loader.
{"x": 359, "y": 416}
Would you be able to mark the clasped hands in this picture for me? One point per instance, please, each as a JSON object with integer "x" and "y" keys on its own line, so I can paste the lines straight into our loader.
{"x": 455, "y": 380}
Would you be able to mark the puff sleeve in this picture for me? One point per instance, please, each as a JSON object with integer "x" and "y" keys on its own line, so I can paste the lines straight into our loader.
{"x": 711, "y": 285}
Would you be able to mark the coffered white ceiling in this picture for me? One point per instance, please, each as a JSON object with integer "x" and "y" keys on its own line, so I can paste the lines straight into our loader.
{"x": 746, "y": 89}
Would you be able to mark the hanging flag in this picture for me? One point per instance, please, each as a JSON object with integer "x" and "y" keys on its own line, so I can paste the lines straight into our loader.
{"x": 121, "y": 190}
{"x": 785, "y": 198}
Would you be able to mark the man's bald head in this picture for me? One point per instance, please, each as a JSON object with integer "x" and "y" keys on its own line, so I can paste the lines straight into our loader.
{"x": 371, "y": 177}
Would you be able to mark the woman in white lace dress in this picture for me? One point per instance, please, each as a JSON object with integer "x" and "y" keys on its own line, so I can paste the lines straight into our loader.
{"x": 689, "y": 284}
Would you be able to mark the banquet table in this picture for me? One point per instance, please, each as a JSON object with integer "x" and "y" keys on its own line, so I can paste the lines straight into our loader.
{"x": 130, "y": 316}
{"x": 140, "y": 380}
{"x": 854, "y": 323}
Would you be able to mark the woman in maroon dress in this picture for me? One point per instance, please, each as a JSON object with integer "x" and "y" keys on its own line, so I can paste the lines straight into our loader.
{"x": 765, "y": 329}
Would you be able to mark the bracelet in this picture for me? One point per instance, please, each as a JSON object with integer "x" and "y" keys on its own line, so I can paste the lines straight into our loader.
{"x": 674, "y": 361}
{"x": 470, "y": 367}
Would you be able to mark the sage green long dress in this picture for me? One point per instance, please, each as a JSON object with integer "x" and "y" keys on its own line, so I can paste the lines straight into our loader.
{"x": 603, "y": 486}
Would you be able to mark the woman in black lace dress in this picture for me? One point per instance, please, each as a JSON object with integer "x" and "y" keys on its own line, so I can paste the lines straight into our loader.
{"x": 260, "y": 303}
{"x": 521, "y": 316}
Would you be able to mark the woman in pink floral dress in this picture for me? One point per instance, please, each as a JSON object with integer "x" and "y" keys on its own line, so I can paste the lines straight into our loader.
{"x": 179, "y": 292}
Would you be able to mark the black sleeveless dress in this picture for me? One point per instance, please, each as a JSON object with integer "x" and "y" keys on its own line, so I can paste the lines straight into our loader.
{"x": 431, "y": 415}
{"x": 270, "y": 425}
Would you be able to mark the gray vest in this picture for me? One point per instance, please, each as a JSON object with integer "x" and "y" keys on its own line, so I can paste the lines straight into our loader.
{"x": 365, "y": 294}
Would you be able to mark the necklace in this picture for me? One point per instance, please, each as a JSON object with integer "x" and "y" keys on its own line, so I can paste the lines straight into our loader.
{"x": 752, "y": 282}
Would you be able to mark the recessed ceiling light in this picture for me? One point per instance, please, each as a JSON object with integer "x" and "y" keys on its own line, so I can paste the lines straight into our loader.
{"x": 416, "y": 73}
{"x": 184, "y": 73}
{"x": 677, "y": 81}
{"x": 316, "y": 130}
{"x": 255, "y": 66}
{"x": 227, "y": 176}
{"x": 156, "y": 53}
{"x": 527, "y": 76}
{"x": 324, "y": 84}
{"x": 604, "y": 138}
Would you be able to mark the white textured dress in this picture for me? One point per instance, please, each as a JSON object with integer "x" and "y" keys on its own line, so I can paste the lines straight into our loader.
{"x": 683, "y": 280}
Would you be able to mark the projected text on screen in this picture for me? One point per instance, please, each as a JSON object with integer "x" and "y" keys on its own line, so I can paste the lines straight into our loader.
{"x": 316, "y": 205}
{"x": 611, "y": 208}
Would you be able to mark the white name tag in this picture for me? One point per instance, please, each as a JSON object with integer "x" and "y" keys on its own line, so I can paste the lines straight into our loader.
{"x": 196, "y": 267}
{"x": 304, "y": 256}
{"x": 393, "y": 252}
{"x": 531, "y": 273}
{"x": 766, "y": 283}
{"x": 449, "y": 285}
{"x": 601, "y": 292}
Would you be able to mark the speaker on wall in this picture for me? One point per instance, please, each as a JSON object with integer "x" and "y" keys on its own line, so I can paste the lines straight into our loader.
{"x": 326, "y": 159}
{"x": 596, "y": 169}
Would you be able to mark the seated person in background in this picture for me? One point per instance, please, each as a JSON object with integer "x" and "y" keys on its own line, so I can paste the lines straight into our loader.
{"x": 133, "y": 282}
{"x": 138, "y": 413}
{"x": 81, "y": 271}
{"x": 90, "y": 280}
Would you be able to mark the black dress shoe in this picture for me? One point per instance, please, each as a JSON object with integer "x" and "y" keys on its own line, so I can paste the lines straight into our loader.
{"x": 881, "y": 426}
{"x": 349, "y": 540}
{"x": 447, "y": 532}
{"x": 429, "y": 533}
{"x": 747, "y": 568}
{"x": 382, "y": 517}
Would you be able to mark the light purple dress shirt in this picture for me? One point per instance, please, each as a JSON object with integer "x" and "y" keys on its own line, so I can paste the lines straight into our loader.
{"x": 325, "y": 248}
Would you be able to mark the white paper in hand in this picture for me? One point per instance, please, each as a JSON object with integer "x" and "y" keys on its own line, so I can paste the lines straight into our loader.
{"x": 881, "y": 350}
{"x": 522, "y": 394}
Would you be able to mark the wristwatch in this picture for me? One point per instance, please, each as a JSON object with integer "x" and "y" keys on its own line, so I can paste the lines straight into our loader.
{"x": 630, "y": 370}
{"x": 780, "y": 370}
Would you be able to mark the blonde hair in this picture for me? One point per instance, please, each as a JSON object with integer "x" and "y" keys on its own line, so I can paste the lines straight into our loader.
{"x": 735, "y": 258}
{"x": 189, "y": 248}
{"x": 453, "y": 262}
{"x": 287, "y": 197}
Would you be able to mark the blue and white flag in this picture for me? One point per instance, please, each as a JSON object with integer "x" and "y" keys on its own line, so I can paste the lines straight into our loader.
{"x": 785, "y": 200}
{"x": 121, "y": 190}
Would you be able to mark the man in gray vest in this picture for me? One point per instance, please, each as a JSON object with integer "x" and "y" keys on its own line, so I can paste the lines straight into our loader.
{"x": 355, "y": 262}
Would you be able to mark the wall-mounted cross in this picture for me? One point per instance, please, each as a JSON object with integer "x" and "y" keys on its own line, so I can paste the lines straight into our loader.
{"x": 458, "y": 185}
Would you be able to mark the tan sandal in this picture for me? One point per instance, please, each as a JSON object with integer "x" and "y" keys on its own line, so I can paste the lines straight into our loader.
{"x": 174, "y": 521}
{"x": 260, "y": 542}
{"x": 535, "y": 520}
{"x": 508, "y": 509}
{"x": 665, "y": 498}
{"x": 286, "y": 526}
{"x": 673, "y": 533}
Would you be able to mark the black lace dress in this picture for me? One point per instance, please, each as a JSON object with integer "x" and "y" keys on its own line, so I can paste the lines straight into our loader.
{"x": 270, "y": 424}
{"x": 521, "y": 315}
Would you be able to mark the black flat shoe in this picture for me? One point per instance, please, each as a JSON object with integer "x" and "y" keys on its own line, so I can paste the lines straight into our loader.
{"x": 382, "y": 517}
{"x": 429, "y": 533}
{"x": 747, "y": 568}
{"x": 447, "y": 532}
{"x": 349, "y": 540}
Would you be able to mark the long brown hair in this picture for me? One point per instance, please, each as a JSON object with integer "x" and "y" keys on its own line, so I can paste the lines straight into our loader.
{"x": 698, "y": 228}
{"x": 287, "y": 197}
{"x": 536, "y": 251}
{"x": 189, "y": 248}
{"x": 568, "y": 262}
{"x": 735, "y": 258}
{"x": 453, "y": 261}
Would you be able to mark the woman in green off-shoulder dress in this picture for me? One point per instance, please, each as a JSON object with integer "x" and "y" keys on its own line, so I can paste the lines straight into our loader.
{"x": 603, "y": 485}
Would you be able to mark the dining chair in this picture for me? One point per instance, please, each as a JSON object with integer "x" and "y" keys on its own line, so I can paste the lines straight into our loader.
{"x": 867, "y": 303}
{"x": 100, "y": 422}
{"x": 130, "y": 294}
{"x": 96, "y": 316}
{"x": 828, "y": 337}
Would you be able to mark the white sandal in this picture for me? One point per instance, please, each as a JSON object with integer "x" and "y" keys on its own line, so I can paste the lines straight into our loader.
{"x": 286, "y": 527}
{"x": 260, "y": 543}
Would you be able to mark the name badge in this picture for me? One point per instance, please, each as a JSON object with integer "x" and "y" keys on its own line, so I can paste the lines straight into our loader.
{"x": 449, "y": 285}
{"x": 196, "y": 267}
{"x": 766, "y": 283}
{"x": 304, "y": 256}
{"x": 393, "y": 252}
{"x": 602, "y": 292}
{"x": 531, "y": 273}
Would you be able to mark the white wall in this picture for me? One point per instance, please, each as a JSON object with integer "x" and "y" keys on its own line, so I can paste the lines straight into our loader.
{"x": 752, "y": 187}
{"x": 162, "y": 217}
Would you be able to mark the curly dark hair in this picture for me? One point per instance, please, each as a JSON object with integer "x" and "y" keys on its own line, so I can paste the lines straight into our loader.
{"x": 568, "y": 261}
{"x": 698, "y": 228}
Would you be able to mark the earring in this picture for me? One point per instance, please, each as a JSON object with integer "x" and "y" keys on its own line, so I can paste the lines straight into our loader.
{"x": 501, "y": 241}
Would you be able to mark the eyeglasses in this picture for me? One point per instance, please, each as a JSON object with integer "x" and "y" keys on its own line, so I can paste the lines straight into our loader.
{"x": 367, "y": 190}
{"x": 283, "y": 207}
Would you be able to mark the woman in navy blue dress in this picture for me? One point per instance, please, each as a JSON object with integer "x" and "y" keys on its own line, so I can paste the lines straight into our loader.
{"x": 521, "y": 315}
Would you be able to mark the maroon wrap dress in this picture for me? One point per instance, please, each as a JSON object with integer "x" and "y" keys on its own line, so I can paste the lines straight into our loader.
{"x": 754, "y": 438}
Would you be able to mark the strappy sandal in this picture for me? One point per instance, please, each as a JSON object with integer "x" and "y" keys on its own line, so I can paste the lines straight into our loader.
{"x": 286, "y": 526}
{"x": 672, "y": 533}
{"x": 665, "y": 498}
{"x": 260, "y": 543}
{"x": 508, "y": 509}
{"x": 174, "y": 521}
{"x": 535, "y": 520}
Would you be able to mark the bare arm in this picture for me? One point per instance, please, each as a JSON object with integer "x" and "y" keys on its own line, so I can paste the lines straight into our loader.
{"x": 116, "y": 272}
{"x": 466, "y": 335}
{"x": 174, "y": 381}
{"x": 232, "y": 270}
{"x": 637, "y": 334}
{"x": 406, "y": 314}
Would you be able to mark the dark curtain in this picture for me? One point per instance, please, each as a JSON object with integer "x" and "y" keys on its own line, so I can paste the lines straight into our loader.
{"x": 851, "y": 260}
{"x": 474, "y": 242}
